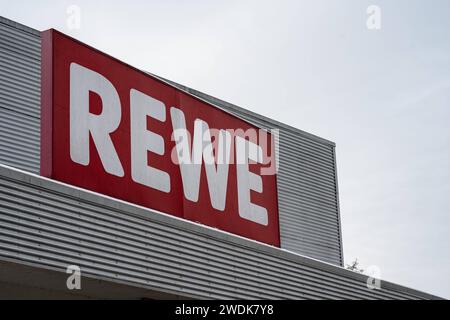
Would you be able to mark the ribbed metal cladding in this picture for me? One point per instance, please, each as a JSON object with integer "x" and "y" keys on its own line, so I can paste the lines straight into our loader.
{"x": 307, "y": 188}
{"x": 53, "y": 225}
{"x": 308, "y": 197}
{"x": 20, "y": 52}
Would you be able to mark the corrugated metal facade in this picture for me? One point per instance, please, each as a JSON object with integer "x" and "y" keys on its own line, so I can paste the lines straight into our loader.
{"x": 307, "y": 188}
{"x": 20, "y": 71}
{"x": 54, "y": 225}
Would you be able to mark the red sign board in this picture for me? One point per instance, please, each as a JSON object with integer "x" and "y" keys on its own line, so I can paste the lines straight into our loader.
{"x": 115, "y": 130}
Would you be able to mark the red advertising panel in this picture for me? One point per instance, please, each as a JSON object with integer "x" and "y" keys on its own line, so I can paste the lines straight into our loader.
{"x": 115, "y": 130}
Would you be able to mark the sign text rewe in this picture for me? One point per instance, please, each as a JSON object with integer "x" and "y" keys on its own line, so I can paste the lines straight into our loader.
{"x": 116, "y": 130}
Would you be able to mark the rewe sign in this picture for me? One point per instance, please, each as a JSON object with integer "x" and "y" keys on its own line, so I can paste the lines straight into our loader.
{"x": 113, "y": 129}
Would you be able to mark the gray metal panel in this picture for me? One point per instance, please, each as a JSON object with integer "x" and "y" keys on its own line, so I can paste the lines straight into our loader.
{"x": 53, "y": 225}
{"x": 20, "y": 52}
{"x": 307, "y": 187}
{"x": 308, "y": 198}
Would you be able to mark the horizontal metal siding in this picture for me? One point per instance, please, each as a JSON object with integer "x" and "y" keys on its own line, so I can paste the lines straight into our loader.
{"x": 54, "y": 225}
{"x": 19, "y": 96}
{"x": 307, "y": 187}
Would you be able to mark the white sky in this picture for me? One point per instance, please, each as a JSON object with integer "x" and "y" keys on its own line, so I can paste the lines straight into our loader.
{"x": 383, "y": 97}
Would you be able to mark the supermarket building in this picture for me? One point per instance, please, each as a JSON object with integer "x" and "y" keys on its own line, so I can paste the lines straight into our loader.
{"x": 78, "y": 193}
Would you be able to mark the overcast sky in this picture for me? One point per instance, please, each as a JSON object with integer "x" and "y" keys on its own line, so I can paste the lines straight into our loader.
{"x": 382, "y": 95}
